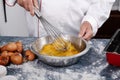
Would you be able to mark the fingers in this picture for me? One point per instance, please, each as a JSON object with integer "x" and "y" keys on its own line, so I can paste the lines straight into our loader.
{"x": 86, "y": 31}
{"x": 25, "y": 5}
{"x": 28, "y": 5}
{"x": 35, "y": 3}
{"x": 31, "y": 7}
{"x": 20, "y": 2}
{"x": 82, "y": 31}
{"x": 88, "y": 35}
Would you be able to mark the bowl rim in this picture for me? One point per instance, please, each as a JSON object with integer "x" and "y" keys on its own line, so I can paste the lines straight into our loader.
{"x": 63, "y": 57}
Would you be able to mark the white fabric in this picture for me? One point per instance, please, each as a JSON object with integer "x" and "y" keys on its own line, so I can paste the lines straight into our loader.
{"x": 68, "y": 15}
{"x": 116, "y": 6}
{"x": 10, "y": 2}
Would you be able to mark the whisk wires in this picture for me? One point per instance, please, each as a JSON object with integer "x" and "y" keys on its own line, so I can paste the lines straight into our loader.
{"x": 56, "y": 35}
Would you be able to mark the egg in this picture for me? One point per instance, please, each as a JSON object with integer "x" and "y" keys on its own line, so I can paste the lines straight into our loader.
{"x": 19, "y": 46}
{"x": 4, "y": 60}
{"x": 11, "y": 46}
{"x": 10, "y": 53}
{"x": 29, "y": 55}
{"x": 16, "y": 58}
{"x": 4, "y": 53}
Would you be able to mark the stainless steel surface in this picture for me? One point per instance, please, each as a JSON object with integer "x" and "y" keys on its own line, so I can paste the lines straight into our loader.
{"x": 79, "y": 43}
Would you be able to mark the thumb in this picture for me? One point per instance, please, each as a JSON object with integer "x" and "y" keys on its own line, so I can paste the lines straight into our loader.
{"x": 82, "y": 32}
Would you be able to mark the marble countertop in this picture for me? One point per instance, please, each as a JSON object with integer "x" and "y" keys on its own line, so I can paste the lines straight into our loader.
{"x": 91, "y": 66}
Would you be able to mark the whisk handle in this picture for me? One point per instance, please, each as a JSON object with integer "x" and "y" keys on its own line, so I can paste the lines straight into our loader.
{"x": 37, "y": 12}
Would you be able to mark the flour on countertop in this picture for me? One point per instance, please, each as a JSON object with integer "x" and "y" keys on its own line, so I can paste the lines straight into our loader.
{"x": 92, "y": 66}
{"x": 3, "y": 71}
{"x": 32, "y": 72}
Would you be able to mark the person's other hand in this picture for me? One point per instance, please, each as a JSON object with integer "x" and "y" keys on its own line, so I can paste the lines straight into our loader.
{"x": 86, "y": 31}
{"x": 28, "y": 5}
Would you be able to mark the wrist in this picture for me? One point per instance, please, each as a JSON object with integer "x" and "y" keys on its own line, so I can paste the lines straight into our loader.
{"x": 92, "y": 22}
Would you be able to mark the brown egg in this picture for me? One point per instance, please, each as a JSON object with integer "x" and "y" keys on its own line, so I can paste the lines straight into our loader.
{"x": 19, "y": 46}
{"x": 0, "y": 48}
{"x": 3, "y": 48}
{"x": 16, "y": 58}
{"x": 4, "y": 60}
{"x": 11, "y": 46}
{"x": 29, "y": 55}
{"x": 4, "y": 53}
{"x": 10, "y": 53}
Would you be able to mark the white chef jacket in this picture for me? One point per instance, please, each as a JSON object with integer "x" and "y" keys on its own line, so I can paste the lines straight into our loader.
{"x": 68, "y": 15}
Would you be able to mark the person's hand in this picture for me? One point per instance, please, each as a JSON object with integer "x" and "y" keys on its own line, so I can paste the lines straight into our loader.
{"x": 28, "y": 5}
{"x": 86, "y": 31}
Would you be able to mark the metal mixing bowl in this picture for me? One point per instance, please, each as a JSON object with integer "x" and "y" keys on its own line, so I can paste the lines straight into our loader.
{"x": 79, "y": 43}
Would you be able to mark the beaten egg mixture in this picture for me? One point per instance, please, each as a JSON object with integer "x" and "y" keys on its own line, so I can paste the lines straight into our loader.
{"x": 50, "y": 50}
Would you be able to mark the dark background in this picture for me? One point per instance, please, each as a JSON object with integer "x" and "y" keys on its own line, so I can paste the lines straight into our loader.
{"x": 110, "y": 26}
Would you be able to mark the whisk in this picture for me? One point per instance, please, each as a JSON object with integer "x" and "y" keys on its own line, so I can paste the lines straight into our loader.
{"x": 56, "y": 35}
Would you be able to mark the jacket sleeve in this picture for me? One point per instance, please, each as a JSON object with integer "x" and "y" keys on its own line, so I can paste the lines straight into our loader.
{"x": 98, "y": 13}
{"x": 10, "y": 2}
